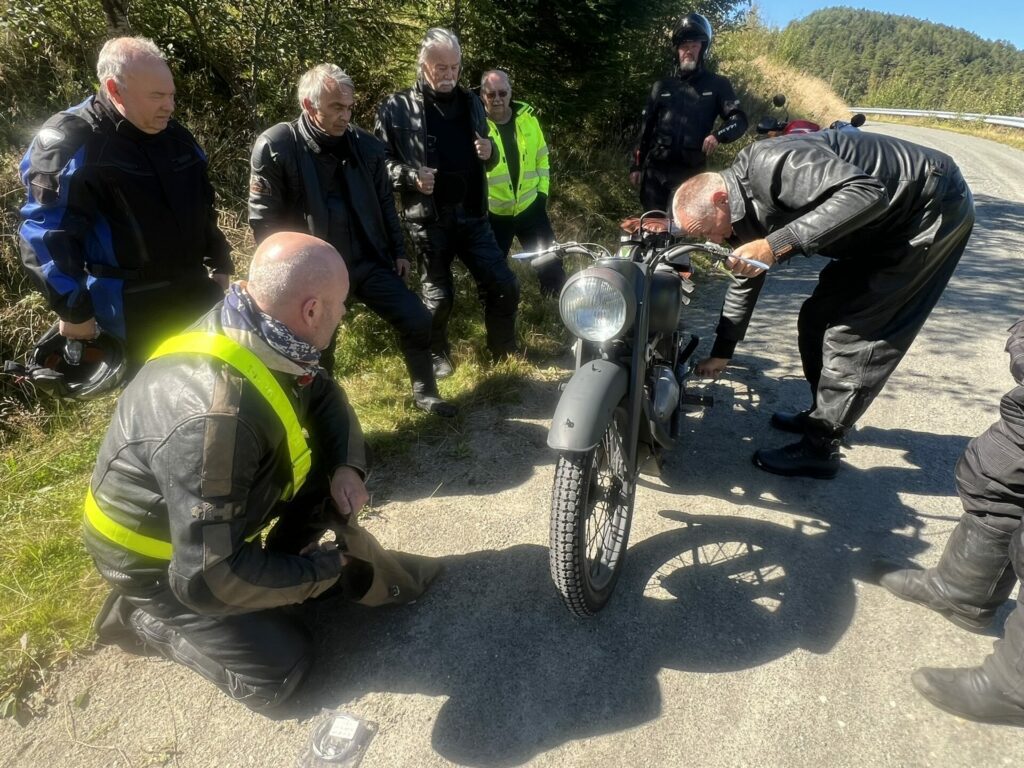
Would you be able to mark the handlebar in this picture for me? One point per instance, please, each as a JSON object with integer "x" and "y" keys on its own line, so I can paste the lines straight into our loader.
{"x": 593, "y": 250}
{"x": 717, "y": 252}
{"x": 597, "y": 251}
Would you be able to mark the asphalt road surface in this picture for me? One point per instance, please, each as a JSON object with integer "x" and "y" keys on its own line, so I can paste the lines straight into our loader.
{"x": 746, "y": 630}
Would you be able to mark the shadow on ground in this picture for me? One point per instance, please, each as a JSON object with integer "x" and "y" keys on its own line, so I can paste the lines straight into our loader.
{"x": 711, "y": 594}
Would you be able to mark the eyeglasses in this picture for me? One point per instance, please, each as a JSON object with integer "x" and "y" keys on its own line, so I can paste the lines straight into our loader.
{"x": 495, "y": 94}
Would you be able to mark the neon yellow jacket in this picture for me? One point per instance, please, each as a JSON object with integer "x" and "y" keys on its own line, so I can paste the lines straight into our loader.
{"x": 534, "y": 173}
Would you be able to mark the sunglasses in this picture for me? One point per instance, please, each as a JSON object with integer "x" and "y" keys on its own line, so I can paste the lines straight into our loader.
{"x": 495, "y": 94}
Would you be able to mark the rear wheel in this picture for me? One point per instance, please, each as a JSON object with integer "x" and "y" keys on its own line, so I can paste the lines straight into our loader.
{"x": 591, "y": 509}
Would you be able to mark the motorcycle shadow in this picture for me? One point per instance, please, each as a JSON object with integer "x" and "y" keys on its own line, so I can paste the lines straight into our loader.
{"x": 742, "y": 569}
{"x": 872, "y": 506}
{"x": 519, "y": 676}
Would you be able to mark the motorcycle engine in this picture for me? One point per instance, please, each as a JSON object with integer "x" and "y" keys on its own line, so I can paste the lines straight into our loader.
{"x": 666, "y": 394}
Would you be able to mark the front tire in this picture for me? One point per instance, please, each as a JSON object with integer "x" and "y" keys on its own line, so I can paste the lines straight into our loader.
{"x": 591, "y": 510}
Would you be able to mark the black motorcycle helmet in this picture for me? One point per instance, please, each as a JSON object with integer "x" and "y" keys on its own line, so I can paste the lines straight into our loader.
{"x": 75, "y": 369}
{"x": 692, "y": 27}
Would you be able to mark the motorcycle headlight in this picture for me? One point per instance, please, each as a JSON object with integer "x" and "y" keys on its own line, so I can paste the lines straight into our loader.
{"x": 597, "y": 304}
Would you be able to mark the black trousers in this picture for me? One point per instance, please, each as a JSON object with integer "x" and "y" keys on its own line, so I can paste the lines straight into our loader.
{"x": 154, "y": 312}
{"x": 866, "y": 311}
{"x": 379, "y": 287}
{"x": 990, "y": 474}
{"x": 457, "y": 234}
{"x": 533, "y": 228}
{"x": 659, "y": 181}
{"x": 259, "y": 658}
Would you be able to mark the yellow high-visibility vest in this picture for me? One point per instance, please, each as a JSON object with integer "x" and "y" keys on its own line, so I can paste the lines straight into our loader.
{"x": 256, "y": 373}
{"x": 534, "y": 171}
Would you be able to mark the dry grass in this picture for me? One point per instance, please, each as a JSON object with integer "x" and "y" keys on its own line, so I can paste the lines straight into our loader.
{"x": 807, "y": 96}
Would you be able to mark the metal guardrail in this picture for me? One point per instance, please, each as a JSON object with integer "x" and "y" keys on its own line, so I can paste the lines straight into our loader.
{"x": 1014, "y": 122}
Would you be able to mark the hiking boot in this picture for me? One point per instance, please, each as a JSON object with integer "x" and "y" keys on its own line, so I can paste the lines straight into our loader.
{"x": 811, "y": 457}
{"x": 791, "y": 421}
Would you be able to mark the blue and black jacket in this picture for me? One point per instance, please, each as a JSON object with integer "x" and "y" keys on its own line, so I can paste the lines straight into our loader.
{"x": 111, "y": 207}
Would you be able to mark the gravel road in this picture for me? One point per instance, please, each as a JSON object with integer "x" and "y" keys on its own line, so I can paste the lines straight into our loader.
{"x": 746, "y": 630}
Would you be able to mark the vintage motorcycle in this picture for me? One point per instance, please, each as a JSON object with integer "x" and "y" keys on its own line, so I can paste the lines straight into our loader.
{"x": 621, "y": 409}
{"x": 771, "y": 125}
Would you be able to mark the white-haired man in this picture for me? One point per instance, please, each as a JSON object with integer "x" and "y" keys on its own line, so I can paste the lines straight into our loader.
{"x": 518, "y": 183}
{"x": 893, "y": 217}
{"x": 119, "y": 232}
{"x": 438, "y": 152}
{"x": 323, "y": 175}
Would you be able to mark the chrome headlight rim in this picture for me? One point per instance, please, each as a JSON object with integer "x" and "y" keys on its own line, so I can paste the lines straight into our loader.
{"x": 619, "y": 285}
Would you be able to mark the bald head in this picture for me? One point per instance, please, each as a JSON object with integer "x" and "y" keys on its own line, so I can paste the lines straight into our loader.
{"x": 301, "y": 281}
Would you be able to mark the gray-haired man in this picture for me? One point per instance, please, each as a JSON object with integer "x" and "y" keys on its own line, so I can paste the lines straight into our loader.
{"x": 119, "y": 228}
{"x": 438, "y": 150}
{"x": 322, "y": 175}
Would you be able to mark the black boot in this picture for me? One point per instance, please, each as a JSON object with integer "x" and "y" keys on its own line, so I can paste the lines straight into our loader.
{"x": 991, "y": 693}
{"x": 791, "y": 421}
{"x": 434, "y": 405}
{"x": 422, "y": 367}
{"x": 815, "y": 456}
{"x": 969, "y": 693}
{"x": 971, "y": 581}
{"x": 113, "y": 624}
{"x": 443, "y": 365}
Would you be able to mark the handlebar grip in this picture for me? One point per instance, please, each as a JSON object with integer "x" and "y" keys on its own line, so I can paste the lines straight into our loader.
{"x": 548, "y": 258}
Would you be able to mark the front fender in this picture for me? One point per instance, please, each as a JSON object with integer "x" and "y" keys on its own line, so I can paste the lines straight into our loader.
{"x": 586, "y": 405}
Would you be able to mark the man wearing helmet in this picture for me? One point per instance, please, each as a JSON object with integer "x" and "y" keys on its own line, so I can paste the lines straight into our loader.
{"x": 677, "y": 133}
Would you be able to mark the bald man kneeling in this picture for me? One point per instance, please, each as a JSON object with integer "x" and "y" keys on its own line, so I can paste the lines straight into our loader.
{"x": 231, "y": 425}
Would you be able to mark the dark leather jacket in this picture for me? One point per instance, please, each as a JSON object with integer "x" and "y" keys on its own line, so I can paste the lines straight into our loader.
{"x": 196, "y": 456}
{"x": 831, "y": 193}
{"x": 680, "y": 113}
{"x": 109, "y": 202}
{"x": 402, "y": 126}
{"x": 285, "y": 191}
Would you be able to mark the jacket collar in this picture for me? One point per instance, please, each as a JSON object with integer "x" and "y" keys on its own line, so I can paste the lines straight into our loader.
{"x": 737, "y": 202}
{"x": 270, "y": 357}
{"x": 306, "y": 131}
{"x": 105, "y": 110}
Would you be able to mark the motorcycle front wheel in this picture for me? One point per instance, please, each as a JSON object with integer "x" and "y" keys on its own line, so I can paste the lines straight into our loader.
{"x": 591, "y": 509}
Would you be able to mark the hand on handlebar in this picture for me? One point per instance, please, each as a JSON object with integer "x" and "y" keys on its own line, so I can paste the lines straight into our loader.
{"x": 756, "y": 251}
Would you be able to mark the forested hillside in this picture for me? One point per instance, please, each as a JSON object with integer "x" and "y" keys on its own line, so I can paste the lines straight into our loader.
{"x": 879, "y": 59}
